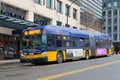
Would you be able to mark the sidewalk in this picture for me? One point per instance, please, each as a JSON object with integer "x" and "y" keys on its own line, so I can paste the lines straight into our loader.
{"x": 9, "y": 61}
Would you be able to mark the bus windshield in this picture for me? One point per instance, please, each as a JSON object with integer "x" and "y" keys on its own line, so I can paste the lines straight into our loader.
{"x": 34, "y": 41}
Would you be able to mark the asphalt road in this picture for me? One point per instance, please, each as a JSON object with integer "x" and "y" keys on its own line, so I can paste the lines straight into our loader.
{"x": 104, "y": 68}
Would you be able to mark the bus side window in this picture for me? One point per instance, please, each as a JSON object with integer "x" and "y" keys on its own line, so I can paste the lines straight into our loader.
{"x": 101, "y": 43}
{"x": 108, "y": 42}
{"x": 87, "y": 42}
{"x": 50, "y": 40}
{"x": 66, "y": 41}
{"x": 97, "y": 43}
{"x": 58, "y": 41}
{"x": 74, "y": 42}
{"x": 82, "y": 42}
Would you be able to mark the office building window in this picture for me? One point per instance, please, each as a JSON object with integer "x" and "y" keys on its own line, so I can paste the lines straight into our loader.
{"x": 103, "y": 13}
{"x": 119, "y": 20}
{"x": 109, "y": 29}
{"x": 38, "y": 19}
{"x": 59, "y": 23}
{"x": 109, "y": 21}
{"x": 119, "y": 12}
{"x": 109, "y": 13}
{"x": 104, "y": 22}
{"x": 115, "y": 37}
{"x": 67, "y": 25}
{"x": 104, "y": 5}
{"x": 109, "y": 5}
{"x": 74, "y": 13}
{"x": 12, "y": 11}
{"x": 115, "y": 13}
{"x": 37, "y": 1}
{"x": 67, "y": 10}
{"x": 103, "y": 29}
{"x": 115, "y": 21}
{"x": 119, "y": 28}
{"x": 74, "y": 27}
{"x": 119, "y": 3}
{"x": 49, "y": 3}
{"x": 119, "y": 36}
{"x": 115, "y": 4}
{"x": 115, "y": 28}
{"x": 59, "y": 6}
{"x": 41, "y": 20}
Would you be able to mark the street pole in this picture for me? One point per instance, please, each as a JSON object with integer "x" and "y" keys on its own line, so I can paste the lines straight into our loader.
{"x": 67, "y": 20}
{"x": 67, "y": 14}
{"x": 101, "y": 21}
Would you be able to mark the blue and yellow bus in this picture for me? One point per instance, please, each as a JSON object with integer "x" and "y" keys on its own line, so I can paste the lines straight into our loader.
{"x": 56, "y": 43}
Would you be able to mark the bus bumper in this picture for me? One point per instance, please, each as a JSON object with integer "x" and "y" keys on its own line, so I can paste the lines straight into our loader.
{"x": 34, "y": 60}
{"x": 25, "y": 60}
{"x": 39, "y": 60}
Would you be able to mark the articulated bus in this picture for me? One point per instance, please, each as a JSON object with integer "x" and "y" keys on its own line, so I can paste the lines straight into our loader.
{"x": 56, "y": 43}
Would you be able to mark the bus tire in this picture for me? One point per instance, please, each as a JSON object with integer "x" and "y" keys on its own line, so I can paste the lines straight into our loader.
{"x": 87, "y": 56}
{"x": 108, "y": 54}
{"x": 35, "y": 63}
{"x": 59, "y": 57}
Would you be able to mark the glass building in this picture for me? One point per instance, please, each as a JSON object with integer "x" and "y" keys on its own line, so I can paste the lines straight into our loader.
{"x": 91, "y": 14}
{"x": 111, "y": 20}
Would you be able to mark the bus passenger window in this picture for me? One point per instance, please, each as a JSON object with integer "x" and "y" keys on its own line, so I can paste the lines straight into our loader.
{"x": 108, "y": 42}
{"x": 86, "y": 42}
{"x": 50, "y": 40}
{"x": 101, "y": 43}
{"x": 97, "y": 43}
{"x": 74, "y": 42}
{"x": 66, "y": 41}
{"x": 82, "y": 43}
{"x": 58, "y": 41}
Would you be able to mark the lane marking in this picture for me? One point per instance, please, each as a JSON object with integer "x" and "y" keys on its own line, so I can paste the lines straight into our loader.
{"x": 77, "y": 71}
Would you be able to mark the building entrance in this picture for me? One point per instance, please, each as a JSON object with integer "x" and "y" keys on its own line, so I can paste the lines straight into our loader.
{"x": 9, "y": 47}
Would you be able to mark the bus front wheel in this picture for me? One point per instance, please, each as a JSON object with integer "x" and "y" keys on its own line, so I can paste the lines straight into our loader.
{"x": 59, "y": 57}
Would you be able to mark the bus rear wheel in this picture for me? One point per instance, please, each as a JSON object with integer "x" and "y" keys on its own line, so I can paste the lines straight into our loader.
{"x": 87, "y": 56}
{"x": 108, "y": 54}
{"x": 59, "y": 57}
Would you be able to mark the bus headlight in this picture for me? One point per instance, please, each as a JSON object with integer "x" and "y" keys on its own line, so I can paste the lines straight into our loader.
{"x": 43, "y": 53}
{"x": 21, "y": 53}
{"x": 25, "y": 53}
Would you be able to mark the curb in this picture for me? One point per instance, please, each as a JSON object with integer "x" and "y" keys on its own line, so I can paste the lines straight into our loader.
{"x": 4, "y": 62}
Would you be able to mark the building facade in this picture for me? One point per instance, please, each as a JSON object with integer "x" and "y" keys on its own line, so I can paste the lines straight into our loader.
{"x": 91, "y": 15}
{"x": 111, "y": 20}
{"x": 16, "y": 15}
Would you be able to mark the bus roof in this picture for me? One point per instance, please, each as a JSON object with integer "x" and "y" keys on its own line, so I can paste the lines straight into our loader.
{"x": 53, "y": 29}
{"x": 99, "y": 35}
{"x": 59, "y": 30}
